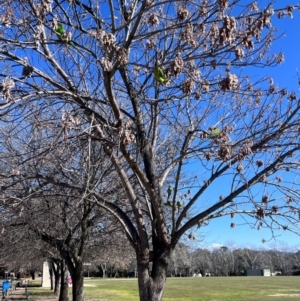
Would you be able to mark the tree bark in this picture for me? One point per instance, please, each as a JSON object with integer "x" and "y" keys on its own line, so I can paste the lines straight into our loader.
{"x": 51, "y": 277}
{"x": 151, "y": 285}
{"x": 64, "y": 287}
{"x": 77, "y": 282}
{"x": 103, "y": 267}
{"x": 56, "y": 277}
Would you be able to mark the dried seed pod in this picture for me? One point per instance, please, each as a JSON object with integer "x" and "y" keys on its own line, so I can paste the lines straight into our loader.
{"x": 191, "y": 236}
{"x": 223, "y": 4}
{"x": 207, "y": 155}
{"x": 177, "y": 66}
{"x": 188, "y": 85}
{"x": 239, "y": 53}
{"x": 182, "y": 13}
{"x": 240, "y": 168}
{"x": 27, "y": 71}
{"x": 7, "y": 85}
{"x": 225, "y": 152}
{"x": 259, "y": 163}
{"x": 275, "y": 209}
{"x": 265, "y": 199}
{"x": 153, "y": 20}
{"x": 260, "y": 213}
{"x": 229, "y": 83}
{"x": 122, "y": 56}
{"x": 290, "y": 10}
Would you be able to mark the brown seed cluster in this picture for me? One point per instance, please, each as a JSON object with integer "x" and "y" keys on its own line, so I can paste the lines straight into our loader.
{"x": 265, "y": 199}
{"x": 5, "y": 18}
{"x": 225, "y": 152}
{"x": 245, "y": 150}
{"x": 205, "y": 86}
{"x": 150, "y": 44}
{"x": 240, "y": 168}
{"x": 191, "y": 236}
{"x": 182, "y": 13}
{"x": 126, "y": 133}
{"x": 229, "y": 83}
{"x": 227, "y": 32}
{"x": 223, "y": 4}
{"x": 239, "y": 53}
{"x": 153, "y": 20}
{"x": 108, "y": 41}
{"x": 7, "y": 85}
{"x": 260, "y": 213}
{"x": 187, "y": 33}
{"x": 259, "y": 163}
{"x": 177, "y": 66}
{"x": 106, "y": 64}
{"x": 188, "y": 85}
{"x": 122, "y": 56}
{"x": 253, "y": 7}
{"x": 27, "y": 71}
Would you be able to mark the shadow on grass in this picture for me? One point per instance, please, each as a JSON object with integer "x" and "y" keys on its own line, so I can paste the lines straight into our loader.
{"x": 42, "y": 294}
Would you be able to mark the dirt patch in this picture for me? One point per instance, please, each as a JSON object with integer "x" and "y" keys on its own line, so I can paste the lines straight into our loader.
{"x": 285, "y": 295}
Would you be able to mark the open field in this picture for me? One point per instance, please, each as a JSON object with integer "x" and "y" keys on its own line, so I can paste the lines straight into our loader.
{"x": 194, "y": 289}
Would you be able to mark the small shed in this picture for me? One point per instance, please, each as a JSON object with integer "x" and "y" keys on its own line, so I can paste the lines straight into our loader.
{"x": 257, "y": 272}
{"x": 252, "y": 272}
{"x": 266, "y": 272}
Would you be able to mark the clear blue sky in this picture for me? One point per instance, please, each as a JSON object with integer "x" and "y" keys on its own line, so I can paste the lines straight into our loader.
{"x": 218, "y": 232}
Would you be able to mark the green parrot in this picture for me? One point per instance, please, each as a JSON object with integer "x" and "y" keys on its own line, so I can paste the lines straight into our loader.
{"x": 170, "y": 190}
{"x": 60, "y": 32}
{"x": 160, "y": 76}
{"x": 178, "y": 204}
{"x": 215, "y": 132}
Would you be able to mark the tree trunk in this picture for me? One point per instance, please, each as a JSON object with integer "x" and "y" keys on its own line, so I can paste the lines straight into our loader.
{"x": 103, "y": 267}
{"x": 64, "y": 287}
{"x": 56, "y": 281}
{"x": 151, "y": 287}
{"x": 77, "y": 282}
{"x": 51, "y": 278}
{"x": 32, "y": 273}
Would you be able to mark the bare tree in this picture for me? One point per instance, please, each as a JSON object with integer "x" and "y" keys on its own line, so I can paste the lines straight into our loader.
{"x": 45, "y": 195}
{"x": 165, "y": 90}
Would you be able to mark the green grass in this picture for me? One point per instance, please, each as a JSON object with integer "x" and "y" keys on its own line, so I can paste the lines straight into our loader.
{"x": 198, "y": 289}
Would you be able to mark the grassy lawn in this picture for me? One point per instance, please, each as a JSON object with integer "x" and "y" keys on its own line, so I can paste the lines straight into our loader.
{"x": 196, "y": 289}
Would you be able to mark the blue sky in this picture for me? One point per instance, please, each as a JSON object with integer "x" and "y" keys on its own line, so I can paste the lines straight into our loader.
{"x": 218, "y": 232}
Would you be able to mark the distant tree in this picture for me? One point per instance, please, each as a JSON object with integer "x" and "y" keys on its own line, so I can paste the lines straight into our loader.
{"x": 45, "y": 196}
{"x": 202, "y": 261}
{"x": 282, "y": 260}
{"x": 166, "y": 90}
